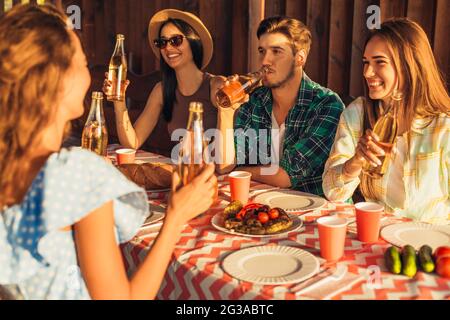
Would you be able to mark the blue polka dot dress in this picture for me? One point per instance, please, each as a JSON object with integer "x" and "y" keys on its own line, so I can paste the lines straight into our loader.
{"x": 35, "y": 254}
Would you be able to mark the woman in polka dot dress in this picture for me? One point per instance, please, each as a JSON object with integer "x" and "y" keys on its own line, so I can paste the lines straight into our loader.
{"x": 63, "y": 212}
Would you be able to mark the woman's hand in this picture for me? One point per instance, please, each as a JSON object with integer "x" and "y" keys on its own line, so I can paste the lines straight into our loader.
{"x": 226, "y": 82}
{"x": 107, "y": 85}
{"x": 194, "y": 198}
{"x": 370, "y": 149}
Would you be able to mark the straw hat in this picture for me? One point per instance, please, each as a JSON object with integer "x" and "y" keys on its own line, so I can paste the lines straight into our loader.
{"x": 205, "y": 37}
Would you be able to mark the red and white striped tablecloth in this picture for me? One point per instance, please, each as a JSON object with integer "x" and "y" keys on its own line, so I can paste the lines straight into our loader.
{"x": 195, "y": 271}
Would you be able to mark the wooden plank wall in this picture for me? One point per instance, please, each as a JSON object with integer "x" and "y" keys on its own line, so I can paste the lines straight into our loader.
{"x": 338, "y": 28}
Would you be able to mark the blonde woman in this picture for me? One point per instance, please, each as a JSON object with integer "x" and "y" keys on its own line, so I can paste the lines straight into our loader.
{"x": 397, "y": 59}
{"x": 64, "y": 212}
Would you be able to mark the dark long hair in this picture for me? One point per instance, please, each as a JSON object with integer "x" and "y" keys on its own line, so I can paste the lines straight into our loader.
{"x": 169, "y": 79}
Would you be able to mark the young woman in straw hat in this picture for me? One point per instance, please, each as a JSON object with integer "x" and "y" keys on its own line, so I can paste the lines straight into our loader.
{"x": 184, "y": 47}
{"x": 63, "y": 212}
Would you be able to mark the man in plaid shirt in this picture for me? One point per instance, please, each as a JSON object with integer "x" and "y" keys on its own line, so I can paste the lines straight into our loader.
{"x": 284, "y": 133}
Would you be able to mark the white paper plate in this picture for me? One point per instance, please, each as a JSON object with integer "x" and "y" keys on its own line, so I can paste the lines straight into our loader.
{"x": 417, "y": 234}
{"x": 149, "y": 230}
{"x": 217, "y": 222}
{"x": 271, "y": 265}
{"x": 291, "y": 200}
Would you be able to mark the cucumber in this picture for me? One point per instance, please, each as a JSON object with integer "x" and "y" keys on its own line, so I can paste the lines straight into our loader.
{"x": 409, "y": 261}
{"x": 393, "y": 260}
{"x": 426, "y": 258}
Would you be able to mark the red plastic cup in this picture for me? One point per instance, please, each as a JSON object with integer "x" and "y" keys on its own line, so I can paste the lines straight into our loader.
{"x": 332, "y": 231}
{"x": 240, "y": 185}
{"x": 125, "y": 156}
{"x": 368, "y": 217}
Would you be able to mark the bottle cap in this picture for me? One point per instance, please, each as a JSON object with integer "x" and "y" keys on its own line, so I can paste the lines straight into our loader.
{"x": 120, "y": 37}
{"x": 195, "y": 107}
{"x": 97, "y": 95}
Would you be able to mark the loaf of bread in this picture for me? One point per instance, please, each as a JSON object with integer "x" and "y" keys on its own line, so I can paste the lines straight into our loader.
{"x": 149, "y": 175}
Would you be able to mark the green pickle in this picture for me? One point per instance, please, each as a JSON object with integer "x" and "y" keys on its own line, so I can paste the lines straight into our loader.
{"x": 409, "y": 261}
{"x": 426, "y": 259}
{"x": 393, "y": 260}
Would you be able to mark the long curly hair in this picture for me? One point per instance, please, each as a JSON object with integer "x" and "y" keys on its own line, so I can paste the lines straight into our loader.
{"x": 35, "y": 53}
{"x": 424, "y": 90}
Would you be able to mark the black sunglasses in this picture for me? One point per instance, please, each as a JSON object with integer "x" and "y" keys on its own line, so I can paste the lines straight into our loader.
{"x": 175, "y": 41}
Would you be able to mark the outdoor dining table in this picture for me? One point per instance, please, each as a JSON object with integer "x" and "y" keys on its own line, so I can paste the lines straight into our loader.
{"x": 196, "y": 272}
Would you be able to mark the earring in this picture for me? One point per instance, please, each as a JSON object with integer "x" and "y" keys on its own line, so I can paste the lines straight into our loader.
{"x": 397, "y": 95}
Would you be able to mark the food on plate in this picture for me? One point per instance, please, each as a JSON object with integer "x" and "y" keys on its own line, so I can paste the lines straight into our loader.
{"x": 409, "y": 266}
{"x": 148, "y": 175}
{"x": 443, "y": 267}
{"x": 233, "y": 208}
{"x": 263, "y": 217}
{"x": 274, "y": 213}
{"x": 426, "y": 258}
{"x": 393, "y": 260}
{"x": 256, "y": 219}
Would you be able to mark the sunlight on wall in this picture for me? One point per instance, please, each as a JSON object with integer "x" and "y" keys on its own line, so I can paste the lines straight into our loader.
{"x": 8, "y": 4}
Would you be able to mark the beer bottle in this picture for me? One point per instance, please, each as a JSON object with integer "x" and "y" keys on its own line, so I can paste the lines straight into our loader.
{"x": 118, "y": 71}
{"x": 192, "y": 146}
{"x": 386, "y": 128}
{"x": 235, "y": 90}
{"x": 95, "y": 134}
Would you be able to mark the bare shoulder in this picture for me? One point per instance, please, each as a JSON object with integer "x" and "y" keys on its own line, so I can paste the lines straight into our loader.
{"x": 156, "y": 95}
{"x": 157, "y": 89}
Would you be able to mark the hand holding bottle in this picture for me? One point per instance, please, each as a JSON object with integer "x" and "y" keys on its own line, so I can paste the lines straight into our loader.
{"x": 231, "y": 84}
{"x": 194, "y": 198}
{"x": 236, "y": 89}
{"x": 108, "y": 86}
{"x": 369, "y": 148}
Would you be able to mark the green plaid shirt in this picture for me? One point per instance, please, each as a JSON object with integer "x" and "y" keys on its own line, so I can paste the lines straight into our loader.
{"x": 310, "y": 129}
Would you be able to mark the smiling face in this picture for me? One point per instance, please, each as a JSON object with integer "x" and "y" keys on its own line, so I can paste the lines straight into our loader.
{"x": 275, "y": 52}
{"x": 379, "y": 70}
{"x": 172, "y": 55}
